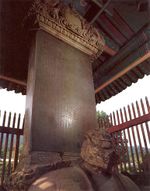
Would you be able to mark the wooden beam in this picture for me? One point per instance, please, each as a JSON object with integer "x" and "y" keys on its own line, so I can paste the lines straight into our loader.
{"x": 91, "y": 12}
{"x": 9, "y": 79}
{"x": 131, "y": 123}
{"x": 122, "y": 25}
{"x": 100, "y": 12}
{"x": 109, "y": 50}
{"x": 101, "y": 6}
{"x": 121, "y": 73}
{"x": 111, "y": 29}
{"x": 107, "y": 47}
{"x": 9, "y": 130}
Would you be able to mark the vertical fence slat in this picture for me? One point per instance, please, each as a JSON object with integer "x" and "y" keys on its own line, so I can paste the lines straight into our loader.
{"x": 115, "y": 135}
{"x": 126, "y": 146}
{"x": 142, "y": 128}
{"x": 119, "y": 141}
{"x": 111, "y": 122}
{"x": 108, "y": 122}
{"x": 147, "y": 104}
{"x": 17, "y": 144}
{"x": 7, "y": 135}
{"x": 11, "y": 146}
{"x": 139, "y": 140}
{"x": 2, "y": 134}
{"x": 148, "y": 109}
{"x": 138, "y": 134}
{"x": 130, "y": 143}
{"x": 5, "y": 151}
{"x": 134, "y": 140}
{"x": 146, "y": 123}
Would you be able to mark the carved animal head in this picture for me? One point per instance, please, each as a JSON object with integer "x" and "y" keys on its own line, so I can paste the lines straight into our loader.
{"x": 97, "y": 149}
{"x": 146, "y": 163}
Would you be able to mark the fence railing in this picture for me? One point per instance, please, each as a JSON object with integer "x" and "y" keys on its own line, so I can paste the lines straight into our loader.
{"x": 11, "y": 131}
{"x": 129, "y": 127}
{"x": 130, "y": 130}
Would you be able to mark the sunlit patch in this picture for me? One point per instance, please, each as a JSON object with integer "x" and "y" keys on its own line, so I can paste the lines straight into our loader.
{"x": 67, "y": 120}
{"x": 46, "y": 185}
{"x": 40, "y": 180}
{"x": 43, "y": 183}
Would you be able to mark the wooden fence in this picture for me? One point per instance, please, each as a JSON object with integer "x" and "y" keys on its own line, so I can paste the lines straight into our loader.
{"x": 130, "y": 130}
{"x": 129, "y": 127}
{"x": 11, "y": 130}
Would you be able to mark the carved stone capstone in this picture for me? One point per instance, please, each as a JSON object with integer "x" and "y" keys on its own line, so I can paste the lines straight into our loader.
{"x": 65, "y": 23}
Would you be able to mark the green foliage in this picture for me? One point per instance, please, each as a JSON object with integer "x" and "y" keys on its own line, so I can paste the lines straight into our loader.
{"x": 21, "y": 147}
{"x": 101, "y": 115}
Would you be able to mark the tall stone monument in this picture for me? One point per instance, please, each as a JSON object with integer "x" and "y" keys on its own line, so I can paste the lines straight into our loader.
{"x": 60, "y": 92}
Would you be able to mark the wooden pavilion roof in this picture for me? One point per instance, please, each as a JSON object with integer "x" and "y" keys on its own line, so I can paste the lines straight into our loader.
{"x": 123, "y": 23}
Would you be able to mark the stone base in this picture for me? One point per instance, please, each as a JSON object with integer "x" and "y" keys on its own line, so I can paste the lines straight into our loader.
{"x": 31, "y": 167}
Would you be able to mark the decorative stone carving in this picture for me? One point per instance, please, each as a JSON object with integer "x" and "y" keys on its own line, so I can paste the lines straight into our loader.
{"x": 65, "y": 23}
{"x": 66, "y": 169}
{"x": 36, "y": 164}
{"x": 97, "y": 150}
{"x": 146, "y": 164}
{"x": 95, "y": 154}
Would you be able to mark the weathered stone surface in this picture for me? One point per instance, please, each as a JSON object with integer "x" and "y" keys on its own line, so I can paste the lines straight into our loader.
{"x": 75, "y": 179}
{"x": 97, "y": 148}
{"x": 144, "y": 177}
{"x": 106, "y": 145}
{"x": 36, "y": 164}
{"x": 59, "y": 109}
{"x": 86, "y": 176}
{"x": 146, "y": 164}
{"x": 56, "y": 174}
{"x": 68, "y": 179}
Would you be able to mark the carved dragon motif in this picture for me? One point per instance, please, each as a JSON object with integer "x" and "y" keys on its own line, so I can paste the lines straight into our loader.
{"x": 67, "y": 22}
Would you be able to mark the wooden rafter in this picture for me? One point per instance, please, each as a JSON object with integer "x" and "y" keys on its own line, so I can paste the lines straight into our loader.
{"x": 114, "y": 33}
{"x": 101, "y": 11}
{"x": 109, "y": 50}
{"x": 91, "y": 13}
{"x": 101, "y": 6}
{"x": 121, "y": 73}
{"x": 9, "y": 79}
{"x": 122, "y": 25}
